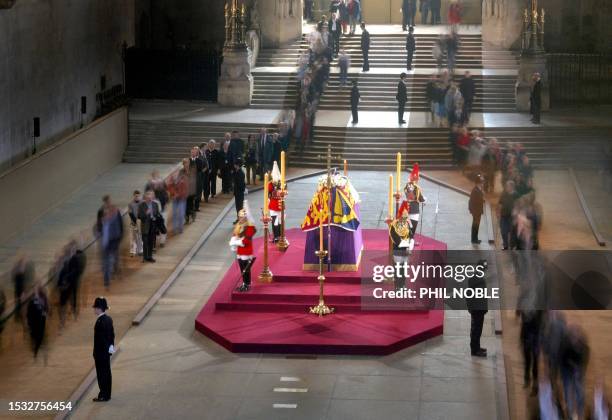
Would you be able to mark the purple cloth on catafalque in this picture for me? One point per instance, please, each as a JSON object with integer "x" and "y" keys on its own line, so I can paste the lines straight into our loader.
{"x": 346, "y": 247}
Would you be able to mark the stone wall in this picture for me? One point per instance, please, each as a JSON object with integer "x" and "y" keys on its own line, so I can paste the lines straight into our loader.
{"x": 52, "y": 52}
{"x": 578, "y": 25}
{"x": 167, "y": 24}
{"x": 59, "y": 170}
{"x": 280, "y": 21}
{"x": 502, "y": 22}
{"x": 571, "y": 25}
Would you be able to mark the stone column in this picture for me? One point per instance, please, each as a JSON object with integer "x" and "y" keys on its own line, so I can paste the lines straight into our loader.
{"x": 235, "y": 82}
{"x": 533, "y": 59}
{"x": 280, "y": 22}
{"x": 501, "y": 23}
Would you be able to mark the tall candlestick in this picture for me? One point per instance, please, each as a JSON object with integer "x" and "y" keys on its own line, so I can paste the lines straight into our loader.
{"x": 283, "y": 170}
{"x": 266, "y": 209}
{"x": 321, "y": 234}
{"x": 399, "y": 171}
{"x": 390, "y": 195}
{"x": 345, "y": 168}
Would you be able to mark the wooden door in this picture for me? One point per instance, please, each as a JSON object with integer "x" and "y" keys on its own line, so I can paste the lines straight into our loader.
{"x": 377, "y": 11}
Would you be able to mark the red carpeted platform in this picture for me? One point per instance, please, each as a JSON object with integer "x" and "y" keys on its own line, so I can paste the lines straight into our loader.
{"x": 274, "y": 318}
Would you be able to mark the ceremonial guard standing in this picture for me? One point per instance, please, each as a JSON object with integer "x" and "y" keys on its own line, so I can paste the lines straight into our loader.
{"x": 413, "y": 200}
{"x": 401, "y": 233}
{"x": 274, "y": 193}
{"x": 242, "y": 243}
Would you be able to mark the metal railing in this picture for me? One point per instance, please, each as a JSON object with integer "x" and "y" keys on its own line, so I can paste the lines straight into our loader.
{"x": 580, "y": 78}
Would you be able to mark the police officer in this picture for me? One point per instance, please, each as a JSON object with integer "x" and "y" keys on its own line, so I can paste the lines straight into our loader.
{"x": 104, "y": 347}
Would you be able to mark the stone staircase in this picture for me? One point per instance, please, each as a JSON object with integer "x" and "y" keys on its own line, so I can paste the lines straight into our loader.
{"x": 279, "y": 90}
{"x": 388, "y": 51}
{"x": 375, "y": 148}
{"x": 493, "y": 93}
{"x": 159, "y": 141}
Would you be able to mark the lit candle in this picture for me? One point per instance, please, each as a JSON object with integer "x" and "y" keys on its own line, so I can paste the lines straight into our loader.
{"x": 399, "y": 171}
{"x": 345, "y": 168}
{"x": 320, "y": 234}
{"x": 390, "y": 196}
{"x": 282, "y": 170}
{"x": 265, "y": 193}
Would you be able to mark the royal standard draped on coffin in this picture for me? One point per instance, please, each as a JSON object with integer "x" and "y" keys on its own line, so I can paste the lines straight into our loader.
{"x": 346, "y": 238}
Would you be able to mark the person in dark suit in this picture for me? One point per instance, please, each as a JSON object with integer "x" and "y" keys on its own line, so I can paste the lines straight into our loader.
{"x": 276, "y": 148}
{"x": 205, "y": 170}
{"x": 355, "y": 95}
{"x": 477, "y": 307}
{"x": 236, "y": 148}
{"x": 308, "y": 10}
{"x": 476, "y": 206}
{"x": 211, "y": 154}
{"x": 267, "y": 154}
{"x": 410, "y": 47}
{"x": 435, "y": 6}
{"x": 148, "y": 213}
{"x": 536, "y": 98}
{"x": 104, "y": 347}
{"x": 196, "y": 163}
{"x": 239, "y": 187}
{"x": 36, "y": 315}
{"x": 408, "y": 13}
{"x": 335, "y": 29}
{"x": 402, "y": 98}
{"x": 468, "y": 91}
{"x": 264, "y": 139}
{"x": 424, "y": 7}
{"x": 365, "y": 47}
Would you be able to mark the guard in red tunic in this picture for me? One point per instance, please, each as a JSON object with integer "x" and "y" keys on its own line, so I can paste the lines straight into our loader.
{"x": 274, "y": 192}
{"x": 412, "y": 201}
{"x": 242, "y": 243}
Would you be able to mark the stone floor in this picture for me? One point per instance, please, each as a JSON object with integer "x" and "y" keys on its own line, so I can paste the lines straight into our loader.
{"x": 201, "y": 112}
{"x": 73, "y": 218}
{"x": 166, "y": 370}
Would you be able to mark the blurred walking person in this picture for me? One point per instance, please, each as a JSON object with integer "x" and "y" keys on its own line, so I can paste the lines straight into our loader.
{"x": 408, "y": 13}
{"x": 574, "y": 360}
{"x": 468, "y": 91}
{"x": 344, "y": 62}
{"x": 22, "y": 276}
{"x": 506, "y": 206}
{"x": 454, "y": 15}
{"x": 136, "y": 236}
{"x": 536, "y": 98}
{"x": 180, "y": 186}
{"x": 354, "y": 8}
{"x": 250, "y": 161}
{"x": 38, "y": 309}
{"x": 148, "y": 213}
{"x": 424, "y": 7}
{"x": 111, "y": 235}
{"x": 531, "y": 323}
{"x": 66, "y": 280}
